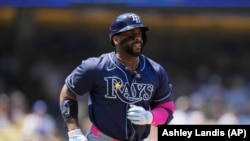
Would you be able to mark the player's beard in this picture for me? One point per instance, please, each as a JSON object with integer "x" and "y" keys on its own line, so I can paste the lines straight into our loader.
{"x": 130, "y": 50}
{"x": 128, "y": 47}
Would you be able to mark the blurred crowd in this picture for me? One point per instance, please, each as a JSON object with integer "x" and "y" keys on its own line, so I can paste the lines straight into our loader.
{"x": 19, "y": 122}
{"x": 213, "y": 103}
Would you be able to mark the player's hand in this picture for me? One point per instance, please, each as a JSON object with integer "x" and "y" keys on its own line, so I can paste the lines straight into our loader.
{"x": 138, "y": 115}
{"x": 76, "y": 135}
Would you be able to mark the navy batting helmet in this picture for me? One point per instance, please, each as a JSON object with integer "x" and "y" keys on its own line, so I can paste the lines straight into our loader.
{"x": 125, "y": 22}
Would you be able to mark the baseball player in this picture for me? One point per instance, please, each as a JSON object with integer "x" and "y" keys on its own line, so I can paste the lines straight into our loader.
{"x": 128, "y": 92}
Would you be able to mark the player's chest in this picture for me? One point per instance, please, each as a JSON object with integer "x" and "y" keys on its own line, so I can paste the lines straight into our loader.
{"x": 128, "y": 88}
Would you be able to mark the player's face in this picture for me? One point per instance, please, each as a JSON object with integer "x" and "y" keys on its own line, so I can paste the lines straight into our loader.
{"x": 131, "y": 42}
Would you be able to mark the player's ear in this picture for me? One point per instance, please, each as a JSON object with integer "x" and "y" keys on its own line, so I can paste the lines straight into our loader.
{"x": 115, "y": 40}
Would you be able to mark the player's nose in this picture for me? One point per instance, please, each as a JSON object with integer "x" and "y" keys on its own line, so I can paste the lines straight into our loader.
{"x": 138, "y": 37}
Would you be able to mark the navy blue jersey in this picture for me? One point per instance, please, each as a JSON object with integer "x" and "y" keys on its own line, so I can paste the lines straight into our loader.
{"x": 112, "y": 87}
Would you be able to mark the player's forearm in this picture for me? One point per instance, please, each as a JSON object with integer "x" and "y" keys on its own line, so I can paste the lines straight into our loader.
{"x": 72, "y": 124}
{"x": 162, "y": 113}
{"x": 69, "y": 108}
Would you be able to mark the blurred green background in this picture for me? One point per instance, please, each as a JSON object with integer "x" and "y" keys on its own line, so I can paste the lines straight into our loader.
{"x": 205, "y": 50}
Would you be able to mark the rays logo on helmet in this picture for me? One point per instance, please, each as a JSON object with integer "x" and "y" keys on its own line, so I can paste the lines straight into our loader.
{"x": 135, "y": 18}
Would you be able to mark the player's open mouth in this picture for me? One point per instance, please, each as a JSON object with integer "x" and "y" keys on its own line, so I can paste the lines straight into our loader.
{"x": 137, "y": 45}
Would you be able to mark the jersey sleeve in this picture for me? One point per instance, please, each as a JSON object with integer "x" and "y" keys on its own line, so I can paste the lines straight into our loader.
{"x": 162, "y": 104}
{"x": 164, "y": 91}
{"x": 81, "y": 80}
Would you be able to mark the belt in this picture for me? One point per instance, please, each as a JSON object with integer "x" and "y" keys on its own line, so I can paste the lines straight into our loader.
{"x": 95, "y": 131}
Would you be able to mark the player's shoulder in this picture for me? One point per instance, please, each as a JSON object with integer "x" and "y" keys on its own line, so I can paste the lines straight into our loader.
{"x": 96, "y": 59}
{"x": 155, "y": 67}
{"x": 96, "y": 62}
{"x": 153, "y": 63}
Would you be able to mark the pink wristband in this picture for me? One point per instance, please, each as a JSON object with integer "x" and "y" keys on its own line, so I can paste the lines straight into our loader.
{"x": 160, "y": 115}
